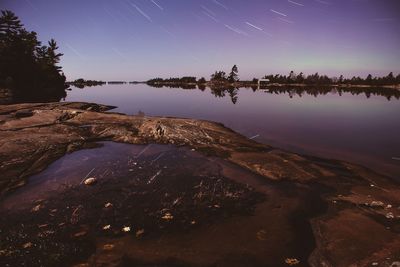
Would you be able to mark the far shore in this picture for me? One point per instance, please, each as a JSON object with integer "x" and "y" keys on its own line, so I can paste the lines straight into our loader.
{"x": 264, "y": 85}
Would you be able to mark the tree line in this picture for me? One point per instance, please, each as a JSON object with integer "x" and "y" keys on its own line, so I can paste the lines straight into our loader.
{"x": 27, "y": 67}
{"x": 183, "y": 80}
{"x": 221, "y": 78}
{"x": 81, "y": 83}
{"x": 317, "y": 79}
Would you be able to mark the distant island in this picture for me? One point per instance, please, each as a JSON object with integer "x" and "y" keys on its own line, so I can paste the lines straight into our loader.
{"x": 81, "y": 83}
{"x": 221, "y": 79}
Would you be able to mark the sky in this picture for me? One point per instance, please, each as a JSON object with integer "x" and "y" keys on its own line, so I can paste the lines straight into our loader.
{"x": 135, "y": 40}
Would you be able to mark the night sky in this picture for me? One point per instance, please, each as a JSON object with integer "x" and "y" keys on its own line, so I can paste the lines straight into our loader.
{"x": 142, "y": 39}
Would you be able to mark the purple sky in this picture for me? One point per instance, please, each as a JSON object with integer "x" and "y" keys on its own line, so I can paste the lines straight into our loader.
{"x": 141, "y": 39}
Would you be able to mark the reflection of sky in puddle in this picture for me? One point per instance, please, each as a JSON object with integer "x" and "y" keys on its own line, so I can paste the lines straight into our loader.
{"x": 349, "y": 127}
{"x": 113, "y": 160}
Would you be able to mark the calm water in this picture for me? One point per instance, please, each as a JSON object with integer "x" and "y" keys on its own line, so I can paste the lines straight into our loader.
{"x": 355, "y": 128}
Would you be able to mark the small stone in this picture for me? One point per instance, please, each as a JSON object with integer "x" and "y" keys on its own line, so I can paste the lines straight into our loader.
{"x": 36, "y": 208}
{"x": 126, "y": 229}
{"x": 90, "y": 181}
{"x": 390, "y": 215}
{"x": 79, "y": 234}
{"x": 107, "y": 227}
{"x": 389, "y": 206}
{"x": 375, "y": 264}
{"x": 193, "y": 222}
{"x": 168, "y": 216}
{"x": 292, "y": 261}
{"x": 108, "y": 205}
{"x": 27, "y": 245}
{"x": 108, "y": 246}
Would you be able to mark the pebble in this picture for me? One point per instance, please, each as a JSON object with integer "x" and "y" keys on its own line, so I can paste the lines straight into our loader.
{"x": 168, "y": 216}
{"x": 390, "y": 215}
{"x": 126, "y": 229}
{"x": 292, "y": 261}
{"x": 108, "y": 246}
{"x": 36, "y": 208}
{"x": 90, "y": 181}
{"x": 80, "y": 234}
{"x": 27, "y": 245}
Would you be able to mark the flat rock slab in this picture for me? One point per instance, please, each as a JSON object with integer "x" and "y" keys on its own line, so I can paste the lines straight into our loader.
{"x": 29, "y": 144}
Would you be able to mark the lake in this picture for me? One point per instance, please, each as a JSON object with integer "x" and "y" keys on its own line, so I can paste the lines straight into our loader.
{"x": 357, "y": 126}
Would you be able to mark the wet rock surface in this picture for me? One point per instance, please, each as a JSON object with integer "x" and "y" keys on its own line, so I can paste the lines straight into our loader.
{"x": 354, "y": 222}
{"x": 144, "y": 200}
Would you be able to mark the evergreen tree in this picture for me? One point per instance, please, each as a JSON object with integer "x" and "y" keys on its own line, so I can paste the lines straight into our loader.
{"x": 300, "y": 78}
{"x": 202, "y": 80}
{"x": 233, "y": 75}
{"x": 390, "y": 79}
{"x": 27, "y": 68}
{"x": 219, "y": 76}
{"x": 368, "y": 80}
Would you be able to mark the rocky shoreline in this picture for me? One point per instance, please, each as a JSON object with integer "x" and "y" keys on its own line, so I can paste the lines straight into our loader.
{"x": 360, "y": 225}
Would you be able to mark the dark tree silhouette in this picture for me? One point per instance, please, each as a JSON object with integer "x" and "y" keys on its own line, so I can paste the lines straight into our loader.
{"x": 233, "y": 75}
{"x": 219, "y": 76}
{"x": 202, "y": 80}
{"x": 28, "y": 68}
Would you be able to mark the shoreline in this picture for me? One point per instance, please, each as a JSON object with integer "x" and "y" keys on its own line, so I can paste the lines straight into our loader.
{"x": 247, "y": 84}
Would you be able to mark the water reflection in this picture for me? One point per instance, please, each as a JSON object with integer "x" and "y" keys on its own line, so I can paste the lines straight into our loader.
{"x": 291, "y": 91}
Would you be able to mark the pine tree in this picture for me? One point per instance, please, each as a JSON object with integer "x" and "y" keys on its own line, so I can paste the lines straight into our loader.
{"x": 233, "y": 75}
{"x": 28, "y": 68}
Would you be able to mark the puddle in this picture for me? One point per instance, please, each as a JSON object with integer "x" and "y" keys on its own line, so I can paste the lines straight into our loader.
{"x": 109, "y": 161}
{"x": 154, "y": 205}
